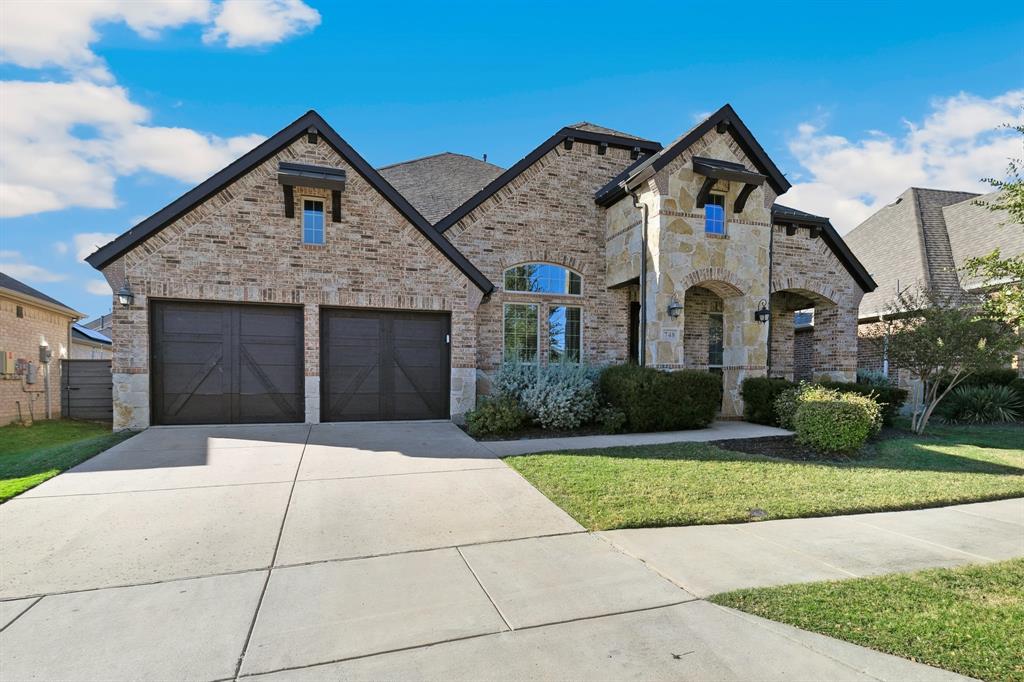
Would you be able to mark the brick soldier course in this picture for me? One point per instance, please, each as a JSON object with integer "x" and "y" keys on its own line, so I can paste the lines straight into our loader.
{"x": 569, "y": 203}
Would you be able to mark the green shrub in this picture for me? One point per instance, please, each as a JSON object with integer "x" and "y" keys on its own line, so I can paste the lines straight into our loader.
{"x": 563, "y": 396}
{"x": 840, "y": 424}
{"x": 495, "y": 416}
{"x": 1018, "y": 386}
{"x": 653, "y": 400}
{"x": 870, "y": 377}
{"x": 890, "y": 398}
{"x": 610, "y": 419}
{"x": 788, "y": 401}
{"x": 990, "y": 377}
{"x": 759, "y": 394}
{"x": 981, "y": 405}
{"x": 513, "y": 378}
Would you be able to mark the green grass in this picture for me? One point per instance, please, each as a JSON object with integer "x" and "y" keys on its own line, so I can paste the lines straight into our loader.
{"x": 31, "y": 454}
{"x": 693, "y": 483}
{"x": 969, "y": 620}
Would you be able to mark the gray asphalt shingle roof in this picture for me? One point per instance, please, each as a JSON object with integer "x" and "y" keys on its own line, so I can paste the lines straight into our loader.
{"x": 8, "y": 282}
{"x": 907, "y": 243}
{"x": 436, "y": 185}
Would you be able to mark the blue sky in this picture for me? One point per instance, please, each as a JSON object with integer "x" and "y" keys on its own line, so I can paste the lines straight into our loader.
{"x": 120, "y": 108}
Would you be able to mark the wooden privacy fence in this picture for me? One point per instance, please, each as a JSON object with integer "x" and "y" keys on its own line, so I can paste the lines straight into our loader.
{"x": 86, "y": 390}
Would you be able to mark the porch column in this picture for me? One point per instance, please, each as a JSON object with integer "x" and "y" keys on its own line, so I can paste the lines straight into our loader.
{"x": 311, "y": 329}
{"x": 782, "y": 338}
{"x": 835, "y": 343}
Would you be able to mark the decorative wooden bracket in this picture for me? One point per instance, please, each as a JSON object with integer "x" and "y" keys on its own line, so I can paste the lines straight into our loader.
{"x": 705, "y": 192}
{"x": 289, "y": 201}
{"x": 336, "y": 205}
{"x": 741, "y": 198}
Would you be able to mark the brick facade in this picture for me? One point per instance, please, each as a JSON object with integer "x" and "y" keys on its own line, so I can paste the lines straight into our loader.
{"x": 22, "y": 336}
{"x": 238, "y": 246}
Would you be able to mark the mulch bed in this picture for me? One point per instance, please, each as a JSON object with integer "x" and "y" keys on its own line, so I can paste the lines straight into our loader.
{"x": 781, "y": 447}
{"x": 530, "y": 432}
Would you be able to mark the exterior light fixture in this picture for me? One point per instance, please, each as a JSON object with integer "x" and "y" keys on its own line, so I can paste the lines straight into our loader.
{"x": 762, "y": 314}
{"x": 125, "y": 296}
{"x": 674, "y": 309}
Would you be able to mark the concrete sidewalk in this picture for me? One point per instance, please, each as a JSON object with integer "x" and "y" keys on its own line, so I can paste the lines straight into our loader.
{"x": 394, "y": 551}
{"x": 705, "y": 560}
{"x": 719, "y": 430}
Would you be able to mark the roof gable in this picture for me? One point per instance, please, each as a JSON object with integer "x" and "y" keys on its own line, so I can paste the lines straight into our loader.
{"x": 563, "y": 135}
{"x": 784, "y": 215}
{"x": 725, "y": 120}
{"x": 186, "y": 202}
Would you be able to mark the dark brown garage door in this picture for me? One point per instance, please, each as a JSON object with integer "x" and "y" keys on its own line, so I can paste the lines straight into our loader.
{"x": 378, "y": 365}
{"x": 226, "y": 364}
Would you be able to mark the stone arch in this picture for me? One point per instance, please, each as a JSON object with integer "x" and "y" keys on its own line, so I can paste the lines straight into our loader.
{"x": 722, "y": 281}
{"x": 816, "y": 291}
{"x": 535, "y": 255}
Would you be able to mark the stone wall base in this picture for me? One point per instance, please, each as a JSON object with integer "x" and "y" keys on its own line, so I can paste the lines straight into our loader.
{"x": 131, "y": 401}
{"x": 312, "y": 400}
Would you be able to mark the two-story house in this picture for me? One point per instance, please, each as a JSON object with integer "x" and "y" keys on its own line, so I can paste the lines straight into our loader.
{"x": 300, "y": 283}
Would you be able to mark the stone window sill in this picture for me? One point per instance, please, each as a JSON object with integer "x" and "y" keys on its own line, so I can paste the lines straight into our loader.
{"x": 712, "y": 235}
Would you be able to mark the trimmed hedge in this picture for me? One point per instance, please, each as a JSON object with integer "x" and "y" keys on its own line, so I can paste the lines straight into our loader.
{"x": 759, "y": 394}
{"x": 653, "y": 400}
{"x": 836, "y": 425}
{"x": 495, "y": 416}
{"x": 890, "y": 398}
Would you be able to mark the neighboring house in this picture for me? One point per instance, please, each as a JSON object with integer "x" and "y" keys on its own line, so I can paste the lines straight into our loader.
{"x": 104, "y": 324}
{"x": 89, "y": 344}
{"x": 923, "y": 239}
{"x": 33, "y": 327}
{"x": 299, "y": 283}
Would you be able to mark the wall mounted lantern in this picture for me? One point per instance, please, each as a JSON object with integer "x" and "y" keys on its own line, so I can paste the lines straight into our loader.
{"x": 125, "y": 296}
{"x": 674, "y": 309}
{"x": 762, "y": 314}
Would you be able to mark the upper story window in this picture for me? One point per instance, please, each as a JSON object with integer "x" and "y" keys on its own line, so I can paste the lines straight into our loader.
{"x": 543, "y": 278}
{"x": 714, "y": 214}
{"x": 312, "y": 221}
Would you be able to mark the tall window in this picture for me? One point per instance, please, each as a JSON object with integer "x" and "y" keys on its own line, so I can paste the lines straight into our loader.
{"x": 714, "y": 214}
{"x": 565, "y": 343}
{"x": 521, "y": 335}
{"x": 312, "y": 221}
{"x": 543, "y": 278}
{"x": 716, "y": 334}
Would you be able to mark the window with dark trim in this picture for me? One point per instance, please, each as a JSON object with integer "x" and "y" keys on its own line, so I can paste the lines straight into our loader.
{"x": 714, "y": 214}
{"x": 565, "y": 341}
{"x": 521, "y": 332}
{"x": 543, "y": 278}
{"x": 312, "y": 221}
{"x": 716, "y": 346}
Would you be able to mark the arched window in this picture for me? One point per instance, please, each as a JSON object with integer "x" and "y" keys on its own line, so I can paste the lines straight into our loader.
{"x": 523, "y": 320}
{"x": 543, "y": 278}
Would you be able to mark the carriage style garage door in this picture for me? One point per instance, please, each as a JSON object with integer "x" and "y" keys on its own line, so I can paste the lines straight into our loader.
{"x": 380, "y": 364}
{"x": 225, "y": 364}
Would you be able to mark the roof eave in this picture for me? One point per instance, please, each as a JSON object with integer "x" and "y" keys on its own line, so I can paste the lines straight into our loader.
{"x": 32, "y": 300}
{"x": 836, "y": 243}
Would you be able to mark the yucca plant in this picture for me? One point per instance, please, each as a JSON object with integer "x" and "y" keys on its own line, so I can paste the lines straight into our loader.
{"x": 982, "y": 405}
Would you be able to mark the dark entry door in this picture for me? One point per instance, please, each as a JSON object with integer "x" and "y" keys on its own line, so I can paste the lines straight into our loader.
{"x": 383, "y": 365}
{"x": 226, "y": 364}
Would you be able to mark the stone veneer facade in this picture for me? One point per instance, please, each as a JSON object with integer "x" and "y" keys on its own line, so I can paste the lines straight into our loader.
{"x": 238, "y": 246}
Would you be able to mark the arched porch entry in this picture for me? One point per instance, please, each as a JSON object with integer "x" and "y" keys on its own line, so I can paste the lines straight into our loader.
{"x": 805, "y": 334}
{"x": 715, "y": 313}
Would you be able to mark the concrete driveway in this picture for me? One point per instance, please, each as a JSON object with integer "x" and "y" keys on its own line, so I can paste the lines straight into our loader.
{"x": 402, "y": 550}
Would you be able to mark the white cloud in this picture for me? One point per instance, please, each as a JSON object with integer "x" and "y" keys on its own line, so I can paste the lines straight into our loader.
{"x": 99, "y": 287}
{"x": 955, "y": 146}
{"x": 60, "y": 247}
{"x": 245, "y": 23}
{"x": 12, "y": 263}
{"x": 45, "y": 166}
{"x": 61, "y": 33}
{"x": 87, "y": 242}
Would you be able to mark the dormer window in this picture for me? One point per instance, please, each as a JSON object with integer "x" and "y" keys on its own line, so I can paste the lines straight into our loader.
{"x": 312, "y": 221}
{"x": 714, "y": 214}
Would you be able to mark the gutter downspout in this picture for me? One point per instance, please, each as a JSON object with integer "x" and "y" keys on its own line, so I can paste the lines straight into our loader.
{"x": 771, "y": 254}
{"x": 642, "y": 346}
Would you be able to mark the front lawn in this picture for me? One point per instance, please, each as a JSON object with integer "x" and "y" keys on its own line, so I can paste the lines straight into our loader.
{"x": 695, "y": 483}
{"x": 969, "y": 620}
{"x": 31, "y": 454}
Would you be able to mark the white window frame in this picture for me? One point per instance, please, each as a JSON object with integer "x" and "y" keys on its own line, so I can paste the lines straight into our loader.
{"x": 725, "y": 214}
{"x": 567, "y": 269}
{"x": 504, "y": 317}
{"x": 551, "y": 307}
{"x": 302, "y": 219}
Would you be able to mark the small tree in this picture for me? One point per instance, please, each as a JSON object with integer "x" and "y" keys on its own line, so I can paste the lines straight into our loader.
{"x": 941, "y": 341}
